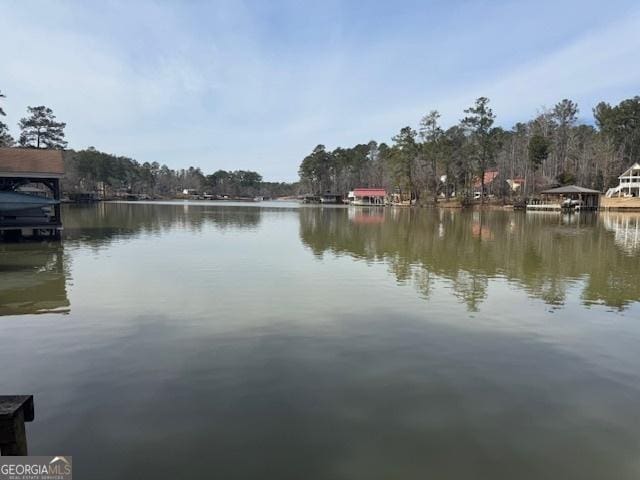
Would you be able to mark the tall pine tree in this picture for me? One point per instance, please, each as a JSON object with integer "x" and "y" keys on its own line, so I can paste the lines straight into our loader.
{"x": 6, "y": 140}
{"x": 41, "y": 130}
{"x": 479, "y": 121}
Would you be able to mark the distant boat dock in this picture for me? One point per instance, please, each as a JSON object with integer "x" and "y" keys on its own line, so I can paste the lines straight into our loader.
{"x": 570, "y": 198}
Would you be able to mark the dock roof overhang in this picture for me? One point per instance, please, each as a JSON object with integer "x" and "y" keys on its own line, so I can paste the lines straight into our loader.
{"x": 568, "y": 189}
{"x": 369, "y": 192}
{"x": 31, "y": 163}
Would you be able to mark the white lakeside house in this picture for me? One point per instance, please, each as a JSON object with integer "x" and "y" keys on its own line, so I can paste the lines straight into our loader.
{"x": 629, "y": 185}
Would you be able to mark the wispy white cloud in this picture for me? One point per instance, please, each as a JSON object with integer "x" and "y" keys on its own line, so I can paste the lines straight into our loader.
{"x": 599, "y": 64}
{"x": 257, "y": 85}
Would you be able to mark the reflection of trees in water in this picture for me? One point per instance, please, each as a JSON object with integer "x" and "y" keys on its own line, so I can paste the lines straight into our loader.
{"x": 100, "y": 223}
{"x": 470, "y": 288}
{"x": 33, "y": 278}
{"x": 544, "y": 254}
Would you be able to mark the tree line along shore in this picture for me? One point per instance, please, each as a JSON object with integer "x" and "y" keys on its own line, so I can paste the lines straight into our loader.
{"x": 469, "y": 161}
{"x": 105, "y": 175}
{"x": 476, "y": 159}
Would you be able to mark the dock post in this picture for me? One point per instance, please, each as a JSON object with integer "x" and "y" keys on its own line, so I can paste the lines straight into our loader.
{"x": 15, "y": 410}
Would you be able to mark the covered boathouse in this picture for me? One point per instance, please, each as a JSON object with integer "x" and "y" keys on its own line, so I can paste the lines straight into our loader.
{"x": 369, "y": 196}
{"x": 30, "y": 192}
{"x": 567, "y": 198}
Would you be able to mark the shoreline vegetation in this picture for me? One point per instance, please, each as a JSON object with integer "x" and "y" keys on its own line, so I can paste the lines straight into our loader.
{"x": 477, "y": 162}
{"x": 470, "y": 163}
{"x": 111, "y": 177}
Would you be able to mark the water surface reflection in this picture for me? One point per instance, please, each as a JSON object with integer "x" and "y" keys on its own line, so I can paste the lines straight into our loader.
{"x": 33, "y": 278}
{"x": 103, "y": 222}
{"x": 286, "y": 342}
{"x": 546, "y": 255}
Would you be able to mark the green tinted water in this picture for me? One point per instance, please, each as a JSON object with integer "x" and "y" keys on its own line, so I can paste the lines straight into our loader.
{"x": 270, "y": 341}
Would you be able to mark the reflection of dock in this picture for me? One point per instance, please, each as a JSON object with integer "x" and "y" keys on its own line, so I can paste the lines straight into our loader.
{"x": 367, "y": 215}
{"x": 33, "y": 279}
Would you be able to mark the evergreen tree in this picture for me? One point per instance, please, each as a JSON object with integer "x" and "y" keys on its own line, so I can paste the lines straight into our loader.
{"x": 538, "y": 151}
{"x": 565, "y": 115}
{"x": 41, "y": 130}
{"x": 404, "y": 161}
{"x": 317, "y": 170}
{"x": 479, "y": 122}
{"x": 431, "y": 135}
{"x": 1, "y": 110}
{"x": 6, "y": 140}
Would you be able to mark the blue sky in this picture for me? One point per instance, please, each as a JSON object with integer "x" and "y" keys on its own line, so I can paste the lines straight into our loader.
{"x": 256, "y": 85}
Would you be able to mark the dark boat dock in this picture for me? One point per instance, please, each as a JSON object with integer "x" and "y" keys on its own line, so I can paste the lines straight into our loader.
{"x": 33, "y": 169}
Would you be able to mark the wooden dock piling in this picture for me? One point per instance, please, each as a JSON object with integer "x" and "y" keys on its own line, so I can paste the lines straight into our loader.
{"x": 15, "y": 410}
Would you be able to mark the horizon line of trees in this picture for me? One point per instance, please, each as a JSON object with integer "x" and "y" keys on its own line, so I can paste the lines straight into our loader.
{"x": 90, "y": 170}
{"x": 424, "y": 163}
{"x": 431, "y": 162}
{"x": 93, "y": 171}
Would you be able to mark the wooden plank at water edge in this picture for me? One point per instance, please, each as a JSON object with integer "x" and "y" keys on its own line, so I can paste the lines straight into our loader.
{"x": 15, "y": 410}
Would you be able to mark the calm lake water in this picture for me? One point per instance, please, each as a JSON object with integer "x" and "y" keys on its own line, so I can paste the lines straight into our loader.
{"x": 275, "y": 341}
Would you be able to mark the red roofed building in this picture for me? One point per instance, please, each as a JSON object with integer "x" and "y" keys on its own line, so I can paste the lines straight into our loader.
{"x": 368, "y": 196}
{"x": 489, "y": 177}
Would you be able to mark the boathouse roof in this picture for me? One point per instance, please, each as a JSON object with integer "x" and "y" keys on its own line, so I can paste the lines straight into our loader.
{"x": 31, "y": 163}
{"x": 569, "y": 189}
{"x": 370, "y": 192}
